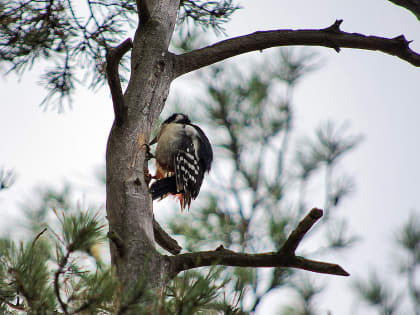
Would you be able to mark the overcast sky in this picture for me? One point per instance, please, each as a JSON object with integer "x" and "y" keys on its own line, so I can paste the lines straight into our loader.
{"x": 377, "y": 93}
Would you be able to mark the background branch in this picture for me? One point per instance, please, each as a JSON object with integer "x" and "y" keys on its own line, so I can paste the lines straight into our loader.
{"x": 113, "y": 58}
{"x": 11, "y": 305}
{"x": 60, "y": 270}
{"x": 331, "y": 37}
{"x": 283, "y": 258}
{"x": 303, "y": 227}
{"x": 164, "y": 239}
{"x": 411, "y": 5}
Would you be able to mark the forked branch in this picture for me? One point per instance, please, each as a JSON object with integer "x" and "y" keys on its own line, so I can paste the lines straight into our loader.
{"x": 331, "y": 37}
{"x": 113, "y": 58}
{"x": 289, "y": 247}
{"x": 285, "y": 257}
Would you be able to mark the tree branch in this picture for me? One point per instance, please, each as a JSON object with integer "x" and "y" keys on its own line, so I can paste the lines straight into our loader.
{"x": 317, "y": 266}
{"x": 11, "y": 305}
{"x": 113, "y": 58}
{"x": 38, "y": 236}
{"x": 60, "y": 270}
{"x": 331, "y": 37}
{"x": 292, "y": 242}
{"x": 411, "y": 5}
{"x": 285, "y": 257}
{"x": 165, "y": 240}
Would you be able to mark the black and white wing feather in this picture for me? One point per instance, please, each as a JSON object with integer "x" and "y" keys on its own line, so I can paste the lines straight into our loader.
{"x": 188, "y": 173}
{"x": 183, "y": 156}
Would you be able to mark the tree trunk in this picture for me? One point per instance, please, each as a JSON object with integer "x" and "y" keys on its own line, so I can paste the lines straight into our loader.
{"x": 129, "y": 206}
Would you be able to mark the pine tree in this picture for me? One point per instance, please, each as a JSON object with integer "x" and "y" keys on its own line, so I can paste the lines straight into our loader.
{"x": 377, "y": 291}
{"x": 33, "y": 31}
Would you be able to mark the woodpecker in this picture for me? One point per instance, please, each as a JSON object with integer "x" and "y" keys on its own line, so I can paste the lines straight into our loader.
{"x": 183, "y": 155}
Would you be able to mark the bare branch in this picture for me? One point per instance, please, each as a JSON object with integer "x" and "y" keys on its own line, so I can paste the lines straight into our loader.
{"x": 7, "y": 178}
{"x": 292, "y": 242}
{"x": 161, "y": 237}
{"x": 11, "y": 305}
{"x": 317, "y": 266}
{"x": 60, "y": 270}
{"x": 165, "y": 240}
{"x": 411, "y": 5}
{"x": 283, "y": 258}
{"x": 38, "y": 236}
{"x": 331, "y": 37}
{"x": 113, "y": 58}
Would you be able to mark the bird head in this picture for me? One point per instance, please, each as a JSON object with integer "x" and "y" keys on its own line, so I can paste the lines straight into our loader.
{"x": 176, "y": 118}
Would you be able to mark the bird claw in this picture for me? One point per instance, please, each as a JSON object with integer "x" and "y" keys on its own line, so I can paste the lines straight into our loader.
{"x": 149, "y": 155}
{"x": 147, "y": 177}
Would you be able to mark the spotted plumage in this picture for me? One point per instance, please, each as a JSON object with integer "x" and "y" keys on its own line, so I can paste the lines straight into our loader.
{"x": 183, "y": 156}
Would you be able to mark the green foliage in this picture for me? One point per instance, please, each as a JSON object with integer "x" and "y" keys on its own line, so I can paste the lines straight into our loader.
{"x": 95, "y": 292}
{"x": 7, "y": 178}
{"x": 209, "y": 226}
{"x": 337, "y": 236}
{"x": 377, "y": 292}
{"x": 81, "y": 231}
{"x": 74, "y": 37}
{"x": 55, "y": 272}
{"x": 56, "y": 30}
{"x": 306, "y": 291}
{"x": 409, "y": 237}
{"x": 332, "y": 143}
{"x": 27, "y": 270}
{"x": 37, "y": 213}
{"x": 30, "y": 29}
{"x": 193, "y": 293}
{"x": 207, "y": 14}
{"x": 293, "y": 65}
{"x": 24, "y": 272}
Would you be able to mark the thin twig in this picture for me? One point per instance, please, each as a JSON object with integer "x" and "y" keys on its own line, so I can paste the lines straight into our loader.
{"x": 294, "y": 239}
{"x": 59, "y": 271}
{"x": 38, "y": 236}
{"x": 16, "y": 307}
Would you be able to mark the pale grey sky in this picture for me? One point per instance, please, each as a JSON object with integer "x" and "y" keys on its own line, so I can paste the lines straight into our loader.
{"x": 377, "y": 93}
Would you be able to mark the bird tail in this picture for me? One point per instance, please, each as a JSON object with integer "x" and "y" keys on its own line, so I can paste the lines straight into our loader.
{"x": 163, "y": 187}
{"x": 167, "y": 186}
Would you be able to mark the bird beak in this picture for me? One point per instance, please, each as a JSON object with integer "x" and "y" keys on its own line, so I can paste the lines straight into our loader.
{"x": 153, "y": 141}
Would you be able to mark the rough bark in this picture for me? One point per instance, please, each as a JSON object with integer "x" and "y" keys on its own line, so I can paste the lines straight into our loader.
{"x": 129, "y": 206}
